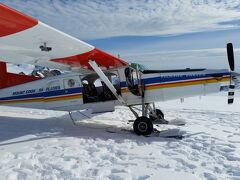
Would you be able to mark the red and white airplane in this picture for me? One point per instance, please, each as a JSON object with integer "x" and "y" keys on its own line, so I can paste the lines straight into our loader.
{"x": 95, "y": 80}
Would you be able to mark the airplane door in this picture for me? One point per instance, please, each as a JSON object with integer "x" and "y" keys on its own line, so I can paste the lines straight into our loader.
{"x": 133, "y": 79}
{"x": 134, "y": 85}
{"x": 64, "y": 94}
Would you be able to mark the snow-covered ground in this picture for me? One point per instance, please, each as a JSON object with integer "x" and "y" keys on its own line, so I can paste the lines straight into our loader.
{"x": 38, "y": 144}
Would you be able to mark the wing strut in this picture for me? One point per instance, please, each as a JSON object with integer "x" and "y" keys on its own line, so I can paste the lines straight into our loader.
{"x": 106, "y": 81}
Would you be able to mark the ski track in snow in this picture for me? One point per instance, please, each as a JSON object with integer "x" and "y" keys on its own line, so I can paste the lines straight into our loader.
{"x": 36, "y": 145}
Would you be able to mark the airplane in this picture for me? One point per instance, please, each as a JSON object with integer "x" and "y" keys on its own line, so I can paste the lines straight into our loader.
{"x": 93, "y": 79}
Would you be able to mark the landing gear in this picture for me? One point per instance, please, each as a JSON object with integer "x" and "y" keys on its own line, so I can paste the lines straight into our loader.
{"x": 143, "y": 126}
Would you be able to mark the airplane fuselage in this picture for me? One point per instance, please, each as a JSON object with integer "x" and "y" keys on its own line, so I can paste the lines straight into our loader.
{"x": 74, "y": 91}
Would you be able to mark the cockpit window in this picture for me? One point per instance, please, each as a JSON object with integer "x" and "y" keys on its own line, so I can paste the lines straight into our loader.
{"x": 139, "y": 67}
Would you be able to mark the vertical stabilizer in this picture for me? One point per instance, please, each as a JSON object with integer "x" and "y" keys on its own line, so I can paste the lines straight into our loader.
{"x": 10, "y": 79}
{"x": 3, "y": 67}
{"x": 3, "y": 75}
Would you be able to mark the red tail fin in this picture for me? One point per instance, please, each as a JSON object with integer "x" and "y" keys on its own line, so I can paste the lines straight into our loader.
{"x": 3, "y": 74}
{"x": 9, "y": 79}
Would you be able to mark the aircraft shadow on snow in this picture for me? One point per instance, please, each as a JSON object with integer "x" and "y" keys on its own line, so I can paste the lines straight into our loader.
{"x": 53, "y": 127}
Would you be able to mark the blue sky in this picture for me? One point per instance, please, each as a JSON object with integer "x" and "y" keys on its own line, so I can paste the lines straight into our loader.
{"x": 158, "y": 33}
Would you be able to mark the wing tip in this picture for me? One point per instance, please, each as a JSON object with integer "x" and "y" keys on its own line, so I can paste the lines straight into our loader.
{"x": 13, "y": 21}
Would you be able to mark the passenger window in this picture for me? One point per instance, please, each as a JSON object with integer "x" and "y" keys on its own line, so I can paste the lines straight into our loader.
{"x": 70, "y": 83}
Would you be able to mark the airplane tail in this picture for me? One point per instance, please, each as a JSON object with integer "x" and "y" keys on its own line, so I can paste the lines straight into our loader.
{"x": 10, "y": 79}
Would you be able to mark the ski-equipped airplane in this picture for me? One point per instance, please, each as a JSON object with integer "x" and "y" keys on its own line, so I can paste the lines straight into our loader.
{"x": 95, "y": 80}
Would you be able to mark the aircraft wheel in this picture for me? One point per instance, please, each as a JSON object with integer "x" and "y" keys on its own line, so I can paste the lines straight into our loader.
{"x": 143, "y": 126}
{"x": 159, "y": 114}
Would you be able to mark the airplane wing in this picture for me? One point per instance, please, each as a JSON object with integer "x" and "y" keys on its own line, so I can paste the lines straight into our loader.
{"x": 24, "y": 39}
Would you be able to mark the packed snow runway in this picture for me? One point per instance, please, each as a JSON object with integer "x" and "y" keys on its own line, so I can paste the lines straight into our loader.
{"x": 37, "y": 144}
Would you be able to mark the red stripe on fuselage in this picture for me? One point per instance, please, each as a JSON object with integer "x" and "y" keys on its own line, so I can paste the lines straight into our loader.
{"x": 12, "y": 21}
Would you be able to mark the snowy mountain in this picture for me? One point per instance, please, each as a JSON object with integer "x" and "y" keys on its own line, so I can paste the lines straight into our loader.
{"x": 38, "y": 144}
{"x": 25, "y": 68}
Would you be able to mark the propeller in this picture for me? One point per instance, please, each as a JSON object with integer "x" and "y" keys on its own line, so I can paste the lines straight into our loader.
{"x": 230, "y": 55}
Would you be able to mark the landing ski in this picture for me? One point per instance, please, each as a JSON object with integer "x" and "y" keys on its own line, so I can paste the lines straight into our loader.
{"x": 169, "y": 133}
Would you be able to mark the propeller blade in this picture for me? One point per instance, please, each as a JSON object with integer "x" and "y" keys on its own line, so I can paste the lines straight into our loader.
{"x": 230, "y": 55}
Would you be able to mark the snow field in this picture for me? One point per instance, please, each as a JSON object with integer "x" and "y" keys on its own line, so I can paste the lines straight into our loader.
{"x": 38, "y": 144}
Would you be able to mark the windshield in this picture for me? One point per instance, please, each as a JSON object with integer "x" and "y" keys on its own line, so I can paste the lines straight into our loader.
{"x": 140, "y": 67}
